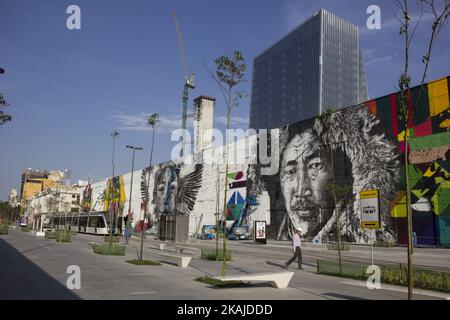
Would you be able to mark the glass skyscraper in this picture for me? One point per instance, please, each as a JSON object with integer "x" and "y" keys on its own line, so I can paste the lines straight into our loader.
{"x": 316, "y": 66}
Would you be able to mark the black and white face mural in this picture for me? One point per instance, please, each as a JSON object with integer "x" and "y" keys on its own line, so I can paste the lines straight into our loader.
{"x": 175, "y": 188}
{"x": 305, "y": 173}
{"x": 341, "y": 154}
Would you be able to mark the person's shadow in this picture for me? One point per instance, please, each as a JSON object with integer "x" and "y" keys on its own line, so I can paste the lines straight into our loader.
{"x": 281, "y": 265}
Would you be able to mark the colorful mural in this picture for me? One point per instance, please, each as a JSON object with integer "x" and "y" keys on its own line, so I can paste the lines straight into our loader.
{"x": 429, "y": 168}
{"x": 354, "y": 149}
{"x": 367, "y": 148}
{"x": 86, "y": 203}
{"x": 115, "y": 195}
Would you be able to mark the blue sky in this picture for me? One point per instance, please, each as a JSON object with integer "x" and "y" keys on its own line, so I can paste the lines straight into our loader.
{"x": 69, "y": 89}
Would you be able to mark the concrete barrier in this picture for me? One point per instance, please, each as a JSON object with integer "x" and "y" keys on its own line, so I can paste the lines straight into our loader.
{"x": 181, "y": 261}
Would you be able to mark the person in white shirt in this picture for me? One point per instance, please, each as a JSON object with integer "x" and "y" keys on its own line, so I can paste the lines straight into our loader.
{"x": 297, "y": 248}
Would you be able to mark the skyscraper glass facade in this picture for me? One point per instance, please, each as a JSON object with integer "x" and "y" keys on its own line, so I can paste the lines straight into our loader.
{"x": 315, "y": 67}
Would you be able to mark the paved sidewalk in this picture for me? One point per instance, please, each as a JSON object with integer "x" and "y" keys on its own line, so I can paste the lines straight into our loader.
{"x": 35, "y": 268}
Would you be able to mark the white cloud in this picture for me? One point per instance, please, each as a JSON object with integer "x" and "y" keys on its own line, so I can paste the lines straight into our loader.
{"x": 138, "y": 121}
{"x": 378, "y": 60}
{"x": 234, "y": 121}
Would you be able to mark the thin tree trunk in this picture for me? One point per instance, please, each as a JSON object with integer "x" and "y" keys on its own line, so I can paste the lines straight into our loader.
{"x": 338, "y": 227}
{"x": 224, "y": 265}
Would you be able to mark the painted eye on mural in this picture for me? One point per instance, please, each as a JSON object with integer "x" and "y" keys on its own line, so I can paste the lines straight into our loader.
{"x": 161, "y": 188}
{"x": 289, "y": 171}
{"x": 315, "y": 165}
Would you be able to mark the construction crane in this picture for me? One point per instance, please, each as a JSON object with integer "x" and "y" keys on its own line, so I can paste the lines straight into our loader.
{"x": 188, "y": 84}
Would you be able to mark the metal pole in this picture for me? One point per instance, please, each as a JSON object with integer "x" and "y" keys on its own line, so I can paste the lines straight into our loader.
{"x": 114, "y": 135}
{"x": 217, "y": 212}
{"x": 131, "y": 192}
{"x": 111, "y": 191}
{"x": 371, "y": 244}
{"x": 148, "y": 192}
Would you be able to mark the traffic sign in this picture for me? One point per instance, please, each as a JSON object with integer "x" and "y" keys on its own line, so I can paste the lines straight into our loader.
{"x": 370, "y": 208}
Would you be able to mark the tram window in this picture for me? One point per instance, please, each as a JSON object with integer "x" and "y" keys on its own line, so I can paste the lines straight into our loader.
{"x": 93, "y": 222}
{"x": 100, "y": 223}
{"x": 83, "y": 221}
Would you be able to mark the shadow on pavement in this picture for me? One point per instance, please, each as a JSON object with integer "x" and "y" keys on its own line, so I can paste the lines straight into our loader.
{"x": 22, "y": 279}
{"x": 342, "y": 296}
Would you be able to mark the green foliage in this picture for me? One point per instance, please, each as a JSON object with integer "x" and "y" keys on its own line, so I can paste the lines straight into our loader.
{"x": 62, "y": 235}
{"x": 110, "y": 249}
{"x": 210, "y": 254}
{"x": 153, "y": 120}
{"x": 144, "y": 262}
{"x": 111, "y": 238}
{"x": 3, "y": 230}
{"x": 3, "y": 116}
{"x": 334, "y": 246}
{"x": 49, "y": 235}
{"x": 26, "y": 229}
{"x": 381, "y": 243}
{"x": 423, "y": 279}
{"x": 218, "y": 283}
{"x": 230, "y": 72}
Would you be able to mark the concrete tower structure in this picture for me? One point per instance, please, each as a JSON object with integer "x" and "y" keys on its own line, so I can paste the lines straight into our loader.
{"x": 204, "y": 116}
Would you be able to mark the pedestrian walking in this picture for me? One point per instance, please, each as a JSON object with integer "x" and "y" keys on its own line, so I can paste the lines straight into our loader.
{"x": 127, "y": 233}
{"x": 297, "y": 248}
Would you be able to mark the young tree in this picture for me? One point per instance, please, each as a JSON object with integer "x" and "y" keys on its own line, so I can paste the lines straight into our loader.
{"x": 152, "y": 121}
{"x": 3, "y": 116}
{"x": 440, "y": 12}
{"x": 325, "y": 119}
{"x": 230, "y": 72}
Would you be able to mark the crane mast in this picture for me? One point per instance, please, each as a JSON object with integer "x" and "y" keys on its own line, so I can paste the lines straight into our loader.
{"x": 188, "y": 84}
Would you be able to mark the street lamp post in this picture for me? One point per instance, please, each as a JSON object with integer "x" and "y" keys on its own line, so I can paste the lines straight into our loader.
{"x": 115, "y": 135}
{"x": 131, "y": 187}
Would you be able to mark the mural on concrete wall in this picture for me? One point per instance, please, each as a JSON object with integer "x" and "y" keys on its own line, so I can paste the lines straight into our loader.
{"x": 115, "y": 195}
{"x": 367, "y": 149}
{"x": 368, "y": 153}
{"x": 302, "y": 192}
{"x": 86, "y": 203}
{"x": 429, "y": 164}
{"x": 174, "y": 191}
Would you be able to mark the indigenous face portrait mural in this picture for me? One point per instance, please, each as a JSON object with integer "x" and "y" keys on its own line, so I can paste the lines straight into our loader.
{"x": 326, "y": 161}
{"x": 175, "y": 188}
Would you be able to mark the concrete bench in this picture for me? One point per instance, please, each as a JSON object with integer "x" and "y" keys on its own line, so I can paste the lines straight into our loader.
{"x": 181, "y": 250}
{"x": 181, "y": 261}
{"x": 159, "y": 246}
{"x": 278, "y": 280}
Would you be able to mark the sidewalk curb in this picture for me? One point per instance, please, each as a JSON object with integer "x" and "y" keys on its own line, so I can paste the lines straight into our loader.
{"x": 391, "y": 287}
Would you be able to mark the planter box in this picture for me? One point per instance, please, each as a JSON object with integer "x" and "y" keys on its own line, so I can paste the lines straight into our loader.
{"x": 49, "y": 235}
{"x": 109, "y": 250}
{"x": 210, "y": 254}
{"x": 111, "y": 239}
{"x": 62, "y": 236}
